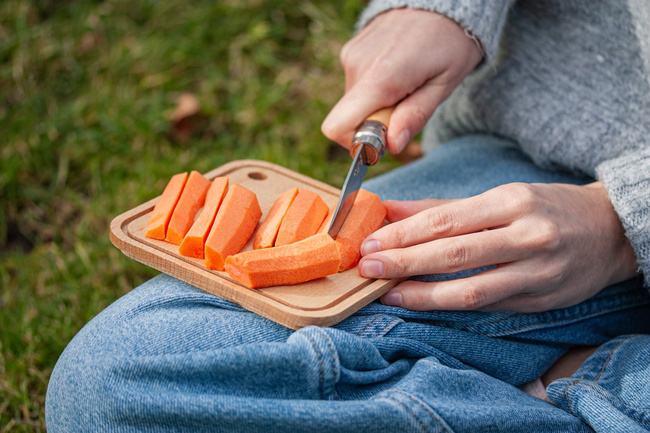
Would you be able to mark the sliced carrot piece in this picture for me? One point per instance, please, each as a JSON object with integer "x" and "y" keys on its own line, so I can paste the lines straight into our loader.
{"x": 308, "y": 259}
{"x": 233, "y": 226}
{"x": 366, "y": 215}
{"x": 189, "y": 203}
{"x": 324, "y": 227}
{"x": 162, "y": 211}
{"x": 303, "y": 219}
{"x": 268, "y": 230}
{"x": 194, "y": 241}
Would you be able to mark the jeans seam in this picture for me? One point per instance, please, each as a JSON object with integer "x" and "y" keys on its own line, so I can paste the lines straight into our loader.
{"x": 330, "y": 345}
{"x": 609, "y": 356}
{"x": 321, "y": 375}
{"x": 422, "y": 405}
{"x": 393, "y": 399}
{"x": 369, "y": 324}
{"x": 380, "y": 333}
{"x": 566, "y": 396}
{"x": 619, "y": 400}
{"x": 602, "y": 370}
{"x": 419, "y": 403}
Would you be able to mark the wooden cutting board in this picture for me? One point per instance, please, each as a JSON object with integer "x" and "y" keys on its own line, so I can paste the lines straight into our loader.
{"x": 322, "y": 302}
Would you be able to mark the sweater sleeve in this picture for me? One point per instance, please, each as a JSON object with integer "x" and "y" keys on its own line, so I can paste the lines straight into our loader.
{"x": 627, "y": 180}
{"x": 484, "y": 19}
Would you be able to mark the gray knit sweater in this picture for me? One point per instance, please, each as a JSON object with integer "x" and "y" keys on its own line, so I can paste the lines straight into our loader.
{"x": 569, "y": 81}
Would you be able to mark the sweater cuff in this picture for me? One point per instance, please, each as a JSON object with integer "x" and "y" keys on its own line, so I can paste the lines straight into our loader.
{"x": 484, "y": 20}
{"x": 627, "y": 180}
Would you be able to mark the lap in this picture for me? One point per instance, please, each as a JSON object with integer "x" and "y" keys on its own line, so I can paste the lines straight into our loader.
{"x": 170, "y": 356}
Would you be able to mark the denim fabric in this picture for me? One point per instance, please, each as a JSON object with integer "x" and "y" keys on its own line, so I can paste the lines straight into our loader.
{"x": 610, "y": 391}
{"x": 169, "y": 357}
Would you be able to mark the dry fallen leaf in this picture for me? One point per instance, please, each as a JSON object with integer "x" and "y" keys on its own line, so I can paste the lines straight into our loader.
{"x": 186, "y": 117}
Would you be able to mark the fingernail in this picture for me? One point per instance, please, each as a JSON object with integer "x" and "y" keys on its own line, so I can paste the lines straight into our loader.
{"x": 372, "y": 269}
{"x": 370, "y": 247}
{"x": 402, "y": 140}
{"x": 393, "y": 299}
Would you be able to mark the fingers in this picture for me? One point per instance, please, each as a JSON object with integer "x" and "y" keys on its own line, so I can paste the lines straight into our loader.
{"x": 546, "y": 240}
{"x": 502, "y": 288}
{"x": 384, "y": 84}
{"x": 384, "y": 67}
{"x": 397, "y": 210}
{"x": 414, "y": 101}
{"x": 374, "y": 79}
{"x": 342, "y": 122}
{"x": 444, "y": 220}
{"x": 445, "y": 255}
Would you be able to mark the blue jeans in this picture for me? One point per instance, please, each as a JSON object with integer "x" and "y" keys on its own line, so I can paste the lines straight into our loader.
{"x": 169, "y": 357}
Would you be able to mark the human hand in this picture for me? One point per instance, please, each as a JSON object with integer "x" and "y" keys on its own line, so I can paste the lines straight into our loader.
{"x": 405, "y": 57}
{"x": 554, "y": 245}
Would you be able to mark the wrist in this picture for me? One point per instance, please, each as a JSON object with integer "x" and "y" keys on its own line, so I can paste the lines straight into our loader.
{"x": 623, "y": 261}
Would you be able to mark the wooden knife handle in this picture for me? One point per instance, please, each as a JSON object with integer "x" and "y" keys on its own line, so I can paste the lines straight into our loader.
{"x": 382, "y": 116}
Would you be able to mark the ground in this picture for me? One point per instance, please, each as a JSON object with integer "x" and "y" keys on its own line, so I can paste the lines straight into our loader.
{"x": 88, "y": 91}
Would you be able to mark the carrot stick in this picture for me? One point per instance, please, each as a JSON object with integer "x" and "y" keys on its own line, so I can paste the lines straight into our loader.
{"x": 303, "y": 219}
{"x": 192, "y": 245}
{"x": 268, "y": 230}
{"x": 324, "y": 227}
{"x": 162, "y": 211}
{"x": 233, "y": 226}
{"x": 191, "y": 200}
{"x": 366, "y": 216}
{"x": 308, "y": 259}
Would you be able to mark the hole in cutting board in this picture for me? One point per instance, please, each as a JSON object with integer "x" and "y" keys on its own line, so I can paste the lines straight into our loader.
{"x": 257, "y": 175}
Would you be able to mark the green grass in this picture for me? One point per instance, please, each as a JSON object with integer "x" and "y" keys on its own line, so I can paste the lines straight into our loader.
{"x": 86, "y": 89}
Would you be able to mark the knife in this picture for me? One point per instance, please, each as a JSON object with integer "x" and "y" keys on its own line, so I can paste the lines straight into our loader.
{"x": 368, "y": 146}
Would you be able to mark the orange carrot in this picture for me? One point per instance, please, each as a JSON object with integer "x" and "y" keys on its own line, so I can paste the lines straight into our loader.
{"x": 303, "y": 219}
{"x": 268, "y": 230}
{"x": 311, "y": 258}
{"x": 366, "y": 216}
{"x": 192, "y": 245}
{"x": 324, "y": 227}
{"x": 162, "y": 211}
{"x": 233, "y": 226}
{"x": 191, "y": 200}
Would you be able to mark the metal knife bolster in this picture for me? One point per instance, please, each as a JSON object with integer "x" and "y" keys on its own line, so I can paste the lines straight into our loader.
{"x": 373, "y": 134}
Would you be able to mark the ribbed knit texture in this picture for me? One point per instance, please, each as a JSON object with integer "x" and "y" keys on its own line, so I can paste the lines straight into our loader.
{"x": 569, "y": 81}
{"x": 483, "y": 19}
{"x": 628, "y": 186}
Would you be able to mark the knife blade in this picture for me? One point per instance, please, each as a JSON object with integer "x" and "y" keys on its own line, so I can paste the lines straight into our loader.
{"x": 368, "y": 146}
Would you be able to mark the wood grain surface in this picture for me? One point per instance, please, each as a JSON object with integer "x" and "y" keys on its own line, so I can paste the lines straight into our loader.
{"x": 323, "y": 302}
